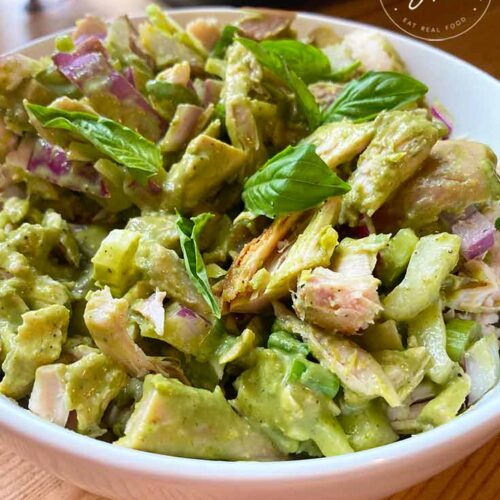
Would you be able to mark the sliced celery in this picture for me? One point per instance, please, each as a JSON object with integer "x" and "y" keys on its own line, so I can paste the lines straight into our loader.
{"x": 320, "y": 380}
{"x": 286, "y": 342}
{"x": 395, "y": 257}
{"x": 459, "y": 336}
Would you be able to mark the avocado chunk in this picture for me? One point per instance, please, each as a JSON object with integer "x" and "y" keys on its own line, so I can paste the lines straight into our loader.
{"x": 194, "y": 179}
{"x": 174, "y": 419}
{"x": 367, "y": 425}
{"x": 91, "y": 384}
{"x": 38, "y": 342}
{"x": 12, "y": 307}
{"x": 288, "y": 412}
{"x": 114, "y": 261}
{"x": 455, "y": 175}
{"x": 405, "y": 369}
{"x": 402, "y": 141}
{"x": 446, "y": 404}
{"x": 157, "y": 227}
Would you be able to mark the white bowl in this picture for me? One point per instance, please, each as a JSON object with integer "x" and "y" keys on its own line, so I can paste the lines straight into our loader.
{"x": 473, "y": 97}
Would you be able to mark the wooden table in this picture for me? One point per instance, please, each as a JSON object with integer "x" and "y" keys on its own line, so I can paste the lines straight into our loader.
{"x": 476, "y": 477}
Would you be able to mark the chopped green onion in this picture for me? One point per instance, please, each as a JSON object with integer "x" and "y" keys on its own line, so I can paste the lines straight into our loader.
{"x": 459, "y": 335}
{"x": 64, "y": 43}
{"x": 286, "y": 342}
{"x": 313, "y": 376}
{"x": 295, "y": 370}
{"x": 320, "y": 380}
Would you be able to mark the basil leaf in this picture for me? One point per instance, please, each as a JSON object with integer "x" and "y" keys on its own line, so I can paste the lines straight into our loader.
{"x": 306, "y": 61}
{"x": 189, "y": 230}
{"x": 365, "y": 98}
{"x": 497, "y": 224}
{"x": 225, "y": 40}
{"x": 126, "y": 147}
{"x": 306, "y": 103}
{"x": 293, "y": 180}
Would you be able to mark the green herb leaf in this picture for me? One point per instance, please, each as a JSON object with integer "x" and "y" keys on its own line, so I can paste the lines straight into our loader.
{"x": 189, "y": 230}
{"x": 365, "y": 98}
{"x": 497, "y": 224}
{"x": 126, "y": 147}
{"x": 293, "y": 180}
{"x": 225, "y": 40}
{"x": 306, "y": 61}
{"x": 306, "y": 103}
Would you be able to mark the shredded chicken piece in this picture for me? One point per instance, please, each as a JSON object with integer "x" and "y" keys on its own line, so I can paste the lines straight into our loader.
{"x": 106, "y": 319}
{"x": 48, "y": 397}
{"x": 337, "y": 301}
{"x": 345, "y": 299}
{"x": 206, "y": 30}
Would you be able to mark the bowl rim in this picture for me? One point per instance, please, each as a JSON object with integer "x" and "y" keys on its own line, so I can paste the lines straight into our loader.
{"x": 29, "y": 426}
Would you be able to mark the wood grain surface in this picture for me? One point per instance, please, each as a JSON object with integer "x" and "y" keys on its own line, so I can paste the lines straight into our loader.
{"x": 476, "y": 477}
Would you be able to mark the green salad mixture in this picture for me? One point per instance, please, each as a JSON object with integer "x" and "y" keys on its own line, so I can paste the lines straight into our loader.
{"x": 230, "y": 242}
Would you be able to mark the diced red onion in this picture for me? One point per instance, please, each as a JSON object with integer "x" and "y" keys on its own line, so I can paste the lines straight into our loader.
{"x": 185, "y": 312}
{"x": 361, "y": 231}
{"x": 211, "y": 91}
{"x": 52, "y": 164}
{"x": 152, "y": 309}
{"x": 89, "y": 69}
{"x": 477, "y": 233}
{"x": 182, "y": 127}
{"x": 440, "y": 116}
{"x": 128, "y": 73}
{"x": 190, "y": 328}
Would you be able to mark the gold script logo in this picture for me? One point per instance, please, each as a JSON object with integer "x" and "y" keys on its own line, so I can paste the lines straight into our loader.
{"x": 435, "y": 20}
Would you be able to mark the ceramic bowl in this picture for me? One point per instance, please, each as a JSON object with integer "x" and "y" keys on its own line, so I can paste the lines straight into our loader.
{"x": 473, "y": 98}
